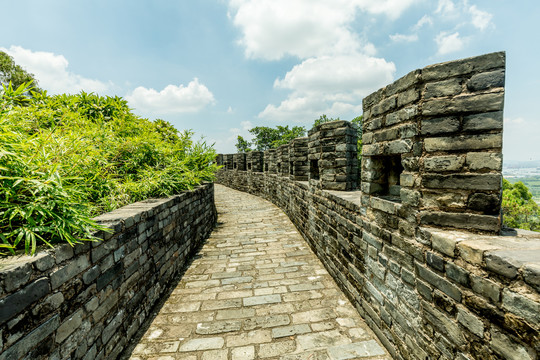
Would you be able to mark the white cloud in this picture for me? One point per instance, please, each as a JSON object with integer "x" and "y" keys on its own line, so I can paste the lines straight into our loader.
{"x": 273, "y": 29}
{"x": 51, "y": 72}
{"x": 514, "y": 121}
{"x": 334, "y": 85}
{"x": 425, "y": 20}
{"x": 402, "y": 38}
{"x": 172, "y": 99}
{"x": 230, "y": 110}
{"x": 480, "y": 19}
{"x": 446, "y": 8}
{"x": 448, "y": 43}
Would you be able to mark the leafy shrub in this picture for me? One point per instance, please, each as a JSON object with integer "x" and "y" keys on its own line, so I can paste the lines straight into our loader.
{"x": 519, "y": 209}
{"x": 67, "y": 158}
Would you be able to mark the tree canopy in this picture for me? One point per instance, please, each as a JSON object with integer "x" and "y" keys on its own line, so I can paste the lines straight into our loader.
{"x": 268, "y": 138}
{"x": 519, "y": 209}
{"x": 11, "y": 72}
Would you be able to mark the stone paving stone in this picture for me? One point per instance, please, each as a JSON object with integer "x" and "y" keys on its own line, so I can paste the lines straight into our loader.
{"x": 284, "y": 331}
{"x": 256, "y": 291}
{"x": 243, "y": 353}
{"x": 356, "y": 350}
{"x": 261, "y": 300}
{"x": 202, "y": 344}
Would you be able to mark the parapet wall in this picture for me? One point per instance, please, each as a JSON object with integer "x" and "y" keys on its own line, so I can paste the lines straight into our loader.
{"x": 399, "y": 246}
{"x": 86, "y": 302}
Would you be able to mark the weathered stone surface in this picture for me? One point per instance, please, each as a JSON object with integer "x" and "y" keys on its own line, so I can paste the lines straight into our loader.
{"x": 508, "y": 348}
{"x": 443, "y": 88}
{"x": 22, "y": 347}
{"x": 439, "y": 282}
{"x": 459, "y": 181}
{"x": 20, "y": 300}
{"x": 482, "y": 161}
{"x": 441, "y": 125}
{"x": 460, "y": 220}
{"x": 484, "y": 121}
{"x": 464, "y": 66}
{"x": 486, "y": 80}
{"x": 444, "y": 163}
{"x": 489, "y": 204}
{"x": 464, "y": 104}
{"x": 463, "y": 142}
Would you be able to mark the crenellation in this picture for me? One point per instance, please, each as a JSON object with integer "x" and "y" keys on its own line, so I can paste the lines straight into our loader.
{"x": 417, "y": 248}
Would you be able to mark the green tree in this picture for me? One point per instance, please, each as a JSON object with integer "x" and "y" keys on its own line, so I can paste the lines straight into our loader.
{"x": 268, "y": 138}
{"x": 519, "y": 209}
{"x": 242, "y": 145}
{"x": 11, "y": 72}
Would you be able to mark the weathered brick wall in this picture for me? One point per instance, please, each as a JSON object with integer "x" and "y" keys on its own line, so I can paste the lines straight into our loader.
{"x": 441, "y": 126}
{"x": 86, "y": 302}
{"x": 399, "y": 247}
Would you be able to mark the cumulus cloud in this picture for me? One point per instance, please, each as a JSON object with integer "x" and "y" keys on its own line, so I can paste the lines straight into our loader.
{"x": 402, "y": 38}
{"x": 480, "y": 19}
{"x": 52, "y": 72}
{"x": 425, "y": 20}
{"x": 273, "y": 29}
{"x": 333, "y": 85}
{"x": 449, "y": 43}
{"x": 172, "y": 99}
{"x": 446, "y": 8}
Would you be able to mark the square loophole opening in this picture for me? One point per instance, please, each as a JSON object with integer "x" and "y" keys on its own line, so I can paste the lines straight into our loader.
{"x": 249, "y": 166}
{"x": 385, "y": 176}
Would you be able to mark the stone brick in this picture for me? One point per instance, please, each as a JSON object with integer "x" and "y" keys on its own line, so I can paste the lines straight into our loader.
{"x": 16, "y": 276}
{"x": 439, "y": 282}
{"x": 17, "y": 302}
{"x": 202, "y": 344}
{"x": 483, "y": 121}
{"x": 261, "y": 300}
{"x": 20, "y": 348}
{"x": 464, "y": 66}
{"x": 464, "y": 104}
{"x": 485, "y": 287}
{"x": 443, "y": 88}
{"x": 465, "y": 181}
{"x": 460, "y": 220}
{"x": 444, "y": 163}
{"x": 521, "y": 305}
{"x": 484, "y": 161}
{"x": 507, "y": 348}
{"x": 470, "y": 321}
{"x": 463, "y": 142}
{"x": 441, "y": 125}
{"x": 292, "y": 330}
{"x": 69, "y": 326}
{"x": 486, "y": 80}
{"x": 402, "y": 115}
{"x": 72, "y": 269}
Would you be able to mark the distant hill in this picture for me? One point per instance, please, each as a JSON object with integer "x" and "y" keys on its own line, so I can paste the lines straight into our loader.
{"x": 522, "y": 164}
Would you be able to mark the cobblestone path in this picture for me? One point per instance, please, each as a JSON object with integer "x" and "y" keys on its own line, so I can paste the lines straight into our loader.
{"x": 256, "y": 291}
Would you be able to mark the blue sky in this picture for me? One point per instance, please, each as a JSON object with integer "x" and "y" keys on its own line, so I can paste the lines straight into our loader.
{"x": 221, "y": 67}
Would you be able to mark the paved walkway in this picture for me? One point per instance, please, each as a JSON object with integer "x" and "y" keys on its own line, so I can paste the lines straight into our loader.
{"x": 256, "y": 291}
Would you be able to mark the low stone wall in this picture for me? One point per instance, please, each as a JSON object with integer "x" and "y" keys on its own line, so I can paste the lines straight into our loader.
{"x": 86, "y": 302}
{"x": 444, "y": 294}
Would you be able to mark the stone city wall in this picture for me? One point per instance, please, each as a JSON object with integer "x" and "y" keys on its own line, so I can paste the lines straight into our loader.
{"x": 418, "y": 248}
{"x": 86, "y": 302}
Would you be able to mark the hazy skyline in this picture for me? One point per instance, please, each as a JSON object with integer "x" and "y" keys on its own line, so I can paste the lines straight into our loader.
{"x": 221, "y": 67}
